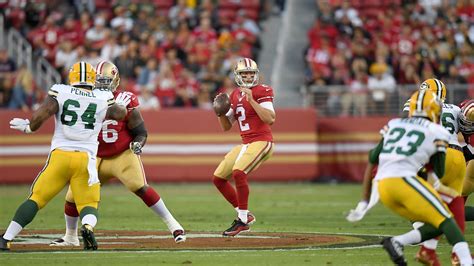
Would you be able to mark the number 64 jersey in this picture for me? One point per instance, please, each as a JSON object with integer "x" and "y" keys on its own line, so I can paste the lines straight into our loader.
{"x": 408, "y": 144}
{"x": 80, "y": 117}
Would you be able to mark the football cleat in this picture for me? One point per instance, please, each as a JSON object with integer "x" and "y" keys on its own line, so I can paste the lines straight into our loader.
{"x": 251, "y": 218}
{"x": 179, "y": 236}
{"x": 427, "y": 256}
{"x": 88, "y": 237}
{"x": 394, "y": 250}
{"x": 4, "y": 244}
{"x": 236, "y": 228}
{"x": 65, "y": 241}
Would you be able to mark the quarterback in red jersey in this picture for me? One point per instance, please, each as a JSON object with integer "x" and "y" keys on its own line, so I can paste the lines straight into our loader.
{"x": 251, "y": 106}
{"x": 120, "y": 144}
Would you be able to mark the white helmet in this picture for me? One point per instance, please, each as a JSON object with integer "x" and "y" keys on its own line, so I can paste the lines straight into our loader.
{"x": 243, "y": 73}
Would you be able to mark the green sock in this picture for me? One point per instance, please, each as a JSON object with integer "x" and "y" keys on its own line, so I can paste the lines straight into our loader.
{"x": 428, "y": 231}
{"x": 89, "y": 210}
{"x": 469, "y": 213}
{"x": 26, "y": 212}
{"x": 451, "y": 231}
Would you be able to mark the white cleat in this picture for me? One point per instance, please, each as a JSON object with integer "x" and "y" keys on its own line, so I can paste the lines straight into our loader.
{"x": 65, "y": 241}
{"x": 179, "y": 236}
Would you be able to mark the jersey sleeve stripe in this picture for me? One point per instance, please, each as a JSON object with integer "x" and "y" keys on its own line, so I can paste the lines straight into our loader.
{"x": 53, "y": 93}
{"x": 110, "y": 102}
{"x": 264, "y": 98}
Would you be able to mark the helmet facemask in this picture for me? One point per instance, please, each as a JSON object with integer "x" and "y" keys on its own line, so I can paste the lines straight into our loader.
{"x": 107, "y": 76}
{"x": 246, "y": 79}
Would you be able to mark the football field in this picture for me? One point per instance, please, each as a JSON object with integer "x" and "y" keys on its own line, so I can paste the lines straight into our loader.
{"x": 305, "y": 211}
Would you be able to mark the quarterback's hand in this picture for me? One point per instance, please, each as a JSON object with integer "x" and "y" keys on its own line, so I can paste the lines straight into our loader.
{"x": 22, "y": 125}
{"x": 248, "y": 93}
{"x": 358, "y": 213}
{"x": 136, "y": 147}
{"x": 123, "y": 98}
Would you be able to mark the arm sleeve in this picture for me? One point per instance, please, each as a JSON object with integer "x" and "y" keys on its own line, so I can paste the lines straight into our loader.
{"x": 437, "y": 161}
{"x": 264, "y": 95}
{"x": 375, "y": 152}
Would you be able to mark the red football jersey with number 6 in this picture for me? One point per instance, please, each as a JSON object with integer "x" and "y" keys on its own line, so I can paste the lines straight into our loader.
{"x": 252, "y": 128}
{"x": 114, "y": 138}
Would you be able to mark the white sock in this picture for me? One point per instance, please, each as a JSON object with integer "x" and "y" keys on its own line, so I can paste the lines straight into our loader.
{"x": 243, "y": 215}
{"x": 89, "y": 219}
{"x": 165, "y": 215}
{"x": 237, "y": 210}
{"x": 431, "y": 244}
{"x": 13, "y": 230}
{"x": 71, "y": 225}
{"x": 461, "y": 249}
{"x": 412, "y": 237}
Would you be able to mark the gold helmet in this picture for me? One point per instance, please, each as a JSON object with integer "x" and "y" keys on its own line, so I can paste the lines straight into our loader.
{"x": 107, "y": 76}
{"x": 424, "y": 103}
{"x": 82, "y": 74}
{"x": 436, "y": 86}
{"x": 246, "y": 73}
{"x": 466, "y": 117}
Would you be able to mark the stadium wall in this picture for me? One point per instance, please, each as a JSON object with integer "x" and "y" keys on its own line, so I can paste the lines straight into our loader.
{"x": 187, "y": 145}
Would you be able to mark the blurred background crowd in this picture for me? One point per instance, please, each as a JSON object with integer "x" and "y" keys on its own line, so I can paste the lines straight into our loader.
{"x": 363, "y": 57}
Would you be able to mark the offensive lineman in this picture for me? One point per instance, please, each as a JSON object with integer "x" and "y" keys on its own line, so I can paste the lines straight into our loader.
{"x": 251, "y": 105}
{"x": 120, "y": 144}
{"x": 407, "y": 142}
{"x": 80, "y": 112}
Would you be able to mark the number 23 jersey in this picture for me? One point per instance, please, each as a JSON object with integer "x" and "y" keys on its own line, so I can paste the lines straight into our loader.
{"x": 408, "y": 144}
{"x": 115, "y": 136}
{"x": 251, "y": 127}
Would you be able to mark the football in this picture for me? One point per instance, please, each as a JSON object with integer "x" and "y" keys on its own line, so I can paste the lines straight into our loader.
{"x": 221, "y": 104}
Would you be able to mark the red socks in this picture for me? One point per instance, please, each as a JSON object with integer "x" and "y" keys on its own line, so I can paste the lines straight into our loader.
{"x": 226, "y": 190}
{"x": 457, "y": 208}
{"x": 70, "y": 209}
{"x": 150, "y": 197}
{"x": 242, "y": 187}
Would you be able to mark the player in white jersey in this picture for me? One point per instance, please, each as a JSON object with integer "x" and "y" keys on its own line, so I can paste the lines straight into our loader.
{"x": 408, "y": 143}
{"x": 79, "y": 113}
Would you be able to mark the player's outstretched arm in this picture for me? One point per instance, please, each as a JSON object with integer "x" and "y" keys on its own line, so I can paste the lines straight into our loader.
{"x": 48, "y": 108}
{"x": 136, "y": 126}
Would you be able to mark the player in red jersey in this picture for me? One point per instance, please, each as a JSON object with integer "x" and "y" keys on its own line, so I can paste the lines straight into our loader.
{"x": 466, "y": 126}
{"x": 252, "y": 108}
{"x": 120, "y": 144}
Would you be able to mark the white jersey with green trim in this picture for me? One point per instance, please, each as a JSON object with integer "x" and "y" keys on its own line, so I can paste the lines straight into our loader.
{"x": 80, "y": 117}
{"x": 408, "y": 144}
{"x": 450, "y": 121}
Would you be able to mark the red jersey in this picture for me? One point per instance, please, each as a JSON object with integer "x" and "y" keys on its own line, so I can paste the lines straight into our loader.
{"x": 114, "y": 138}
{"x": 252, "y": 128}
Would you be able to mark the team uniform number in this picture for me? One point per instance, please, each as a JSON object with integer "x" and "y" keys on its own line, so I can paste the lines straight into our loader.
{"x": 69, "y": 117}
{"x": 109, "y": 135}
{"x": 241, "y": 118}
{"x": 448, "y": 120}
{"x": 415, "y": 137}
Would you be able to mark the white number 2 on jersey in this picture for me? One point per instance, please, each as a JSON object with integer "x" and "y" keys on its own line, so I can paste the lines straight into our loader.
{"x": 109, "y": 135}
{"x": 243, "y": 126}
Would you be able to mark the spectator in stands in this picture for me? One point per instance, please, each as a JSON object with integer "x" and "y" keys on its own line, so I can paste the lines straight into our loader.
{"x": 23, "y": 94}
{"x": 166, "y": 85}
{"x": 346, "y": 11}
{"x": 122, "y": 21}
{"x": 112, "y": 49}
{"x": 65, "y": 57}
{"x": 356, "y": 97}
{"x": 148, "y": 74}
{"x": 96, "y": 36}
{"x": 147, "y": 100}
{"x": 181, "y": 13}
{"x": 72, "y": 32}
{"x": 381, "y": 85}
{"x": 7, "y": 76}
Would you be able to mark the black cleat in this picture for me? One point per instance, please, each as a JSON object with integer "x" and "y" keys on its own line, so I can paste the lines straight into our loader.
{"x": 236, "y": 228}
{"x": 394, "y": 250}
{"x": 88, "y": 237}
{"x": 4, "y": 244}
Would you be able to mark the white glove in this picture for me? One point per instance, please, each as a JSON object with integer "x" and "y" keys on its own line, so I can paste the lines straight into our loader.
{"x": 358, "y": 213}
{"x": 124, "y": 98}
{"x": 22, "y": 125}
{"x": 136, "y": 147}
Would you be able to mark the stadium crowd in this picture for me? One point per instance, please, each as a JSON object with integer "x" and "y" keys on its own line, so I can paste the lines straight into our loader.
{"x": 170, "y": 53}
{"x": 371, "y": 46}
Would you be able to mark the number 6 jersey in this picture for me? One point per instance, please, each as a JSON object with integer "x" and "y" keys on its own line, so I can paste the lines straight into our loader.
{"x": 408, "y": 144}
{"x": 80, "y": 117}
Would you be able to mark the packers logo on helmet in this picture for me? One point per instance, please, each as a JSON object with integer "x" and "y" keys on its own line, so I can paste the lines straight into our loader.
{"x": 246, "y": 73}
{"x": 436, "y": 86}
{"x": 466, "y": 117}
{"x": 82, "y": 74}
{"x": 107, "y": 76}
{"x": 424, "y": 103}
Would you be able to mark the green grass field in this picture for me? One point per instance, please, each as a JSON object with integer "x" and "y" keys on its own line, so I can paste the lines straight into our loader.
{"x": 301, "y": 207}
